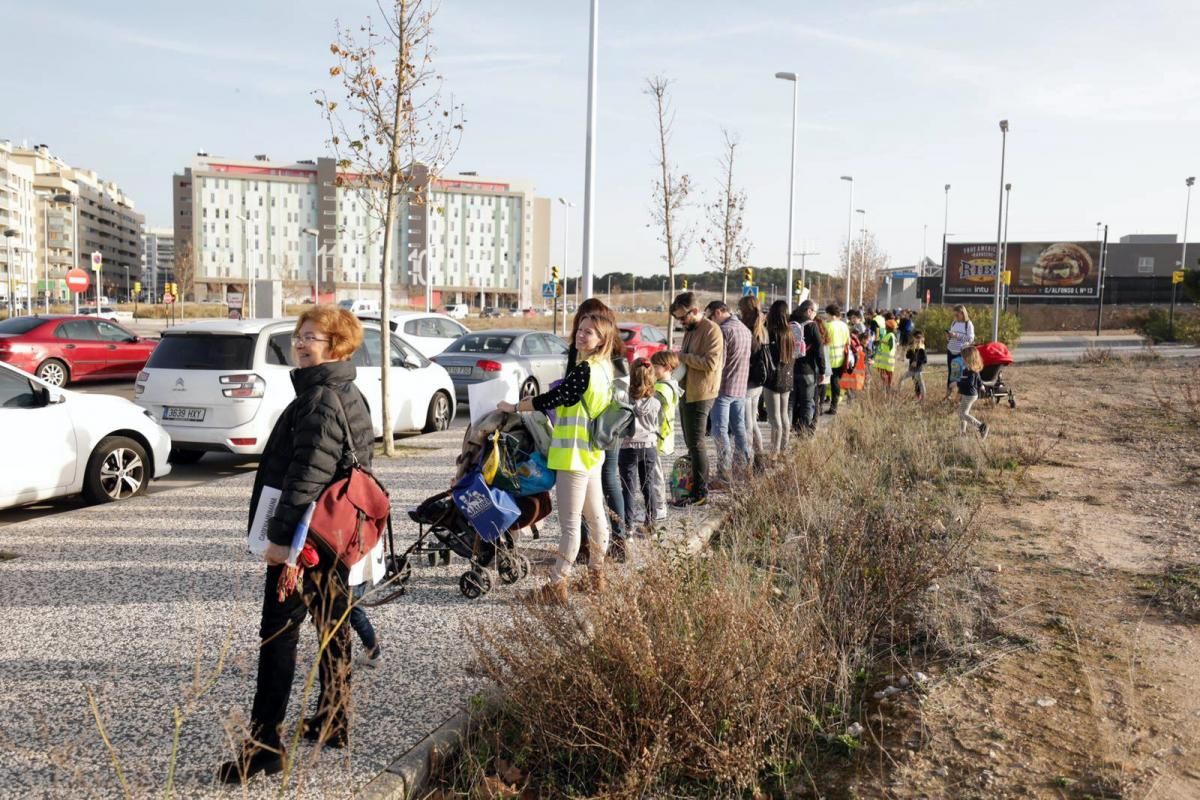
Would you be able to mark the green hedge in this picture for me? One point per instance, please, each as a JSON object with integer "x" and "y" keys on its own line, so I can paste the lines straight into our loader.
{"x": 1157, "y": 326}
{"x": 935, "y": 321}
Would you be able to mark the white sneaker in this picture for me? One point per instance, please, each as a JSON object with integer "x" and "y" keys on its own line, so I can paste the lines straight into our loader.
{"x": 365, "y": 659}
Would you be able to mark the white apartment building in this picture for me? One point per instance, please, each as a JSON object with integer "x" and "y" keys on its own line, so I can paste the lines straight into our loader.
{"x": 18, "y": 206}
{"x": 481, "y": 241}
{"x": 158, "y": 259}
{"x": 69, "y": 200}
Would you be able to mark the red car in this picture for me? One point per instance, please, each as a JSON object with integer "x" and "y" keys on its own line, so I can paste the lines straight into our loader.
{"x": 65, "y": 349}
{"x": 641, "y": 341}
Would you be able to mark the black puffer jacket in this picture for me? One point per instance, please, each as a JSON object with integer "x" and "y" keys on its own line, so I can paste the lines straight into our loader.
{"x": 306, "y": 449}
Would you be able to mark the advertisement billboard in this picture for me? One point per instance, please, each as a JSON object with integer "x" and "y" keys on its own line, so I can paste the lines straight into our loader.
{"x": 1061, "y": 270}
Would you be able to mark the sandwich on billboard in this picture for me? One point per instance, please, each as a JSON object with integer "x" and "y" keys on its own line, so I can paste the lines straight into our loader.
{"x": 1039, "y": 269}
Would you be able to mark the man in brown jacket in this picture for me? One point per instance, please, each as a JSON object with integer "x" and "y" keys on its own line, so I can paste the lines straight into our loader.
{"x": 703, "y": 354}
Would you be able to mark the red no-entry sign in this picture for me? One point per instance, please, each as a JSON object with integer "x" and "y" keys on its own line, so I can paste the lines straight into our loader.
{"x": 77, "y": 280}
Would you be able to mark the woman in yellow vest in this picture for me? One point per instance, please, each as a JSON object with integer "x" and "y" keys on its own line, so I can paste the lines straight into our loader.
{"x": 585, "y": 391}
{"x": 885, "y": 353}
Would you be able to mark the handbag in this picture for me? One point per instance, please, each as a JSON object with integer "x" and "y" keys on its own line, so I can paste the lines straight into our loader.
{"x": 490, "y": 511}
{"x": 614, "y": 423}
{"x": 352, "y": 512}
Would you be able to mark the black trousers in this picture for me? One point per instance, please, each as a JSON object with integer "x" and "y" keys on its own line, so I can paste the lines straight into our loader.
{"x": 694, "y": 418}
{"x": 324, "y": 595}
{"x": 835, "y": 386}
{"x": 804, "y": 398}
{"x": 637, "y": 477}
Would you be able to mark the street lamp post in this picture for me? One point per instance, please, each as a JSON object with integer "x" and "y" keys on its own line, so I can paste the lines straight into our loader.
{"x": 849, "y": 239}
{"x": 1187, "y": 207}
{"x": 566, "y": 251}
{"x": 126, "y": 268}
{"x": 862, "y": 254}
{"x": 314, "y": 233}
{"x": 1004, "y": 248}
{"x": 248, "y": 310}
{"x": 1100, "y": 288}
{"x": 999, "y": 234}
{"x": 791, "y": 76}
{"x": 9, "y": 233}
{"x": 945, "y": 229}
{"x": 589, "y": 187}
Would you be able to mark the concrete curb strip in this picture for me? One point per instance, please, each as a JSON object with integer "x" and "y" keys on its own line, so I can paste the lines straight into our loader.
{"x": 407, "y": 777}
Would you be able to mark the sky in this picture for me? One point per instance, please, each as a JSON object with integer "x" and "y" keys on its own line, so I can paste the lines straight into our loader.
{"x": 1102, "y": 97}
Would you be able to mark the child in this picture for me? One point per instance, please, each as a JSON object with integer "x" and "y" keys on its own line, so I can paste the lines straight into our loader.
{"x": 372, "y": 653}
{"x": 639, "y": 450}
{"x": 968, "y": 390}
{"x": 916, "y": 363}
{"x": 885, "y": 356}
{"x": 664, "y": 362}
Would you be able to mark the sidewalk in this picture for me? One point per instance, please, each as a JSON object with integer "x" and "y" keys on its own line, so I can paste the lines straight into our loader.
{"x": 137, "y": 600}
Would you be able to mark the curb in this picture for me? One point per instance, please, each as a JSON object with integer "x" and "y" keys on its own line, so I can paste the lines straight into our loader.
{"x": 407, "y": 776}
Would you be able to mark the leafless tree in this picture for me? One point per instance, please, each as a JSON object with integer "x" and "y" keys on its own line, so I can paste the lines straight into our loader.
{"x": 868, "y": 259}
{"x": 671, "y": 190}
{"x": 394, "y": 134}
{"x": 726, "y": 247}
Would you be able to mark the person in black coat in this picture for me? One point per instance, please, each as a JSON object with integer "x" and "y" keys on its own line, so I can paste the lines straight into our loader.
{"x": 306, "y": 451}
{"x": 810, "y": 368}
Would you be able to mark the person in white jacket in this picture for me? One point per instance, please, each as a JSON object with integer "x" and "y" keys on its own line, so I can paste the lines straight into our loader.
{"x": 639, "y": 450}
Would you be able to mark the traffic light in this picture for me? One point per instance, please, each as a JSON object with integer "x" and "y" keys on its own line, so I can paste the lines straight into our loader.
{"x": 685, "y": 284}
{"x": 554, "y": 273}
{"x": 748, "y": 275}
{"x": 799, "y": 286}
{"x": 137, "y": 287}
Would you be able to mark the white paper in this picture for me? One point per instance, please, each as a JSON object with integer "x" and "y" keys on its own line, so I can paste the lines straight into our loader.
{"x": 483, "y": 397}
{"x": 370, "y": 569}
{"x": 268, "y": 501}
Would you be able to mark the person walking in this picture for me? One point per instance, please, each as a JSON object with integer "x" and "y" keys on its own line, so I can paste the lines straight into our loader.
{"x": 610, "y": 479}
{"x": 750, "y": 312}
{"x": 959, "y": 335}
{"x": 916, "y": 364}
{"x": 837, "y": 338}
{"x": 782, "y": 344}
{"x": 639, "y": 450}
{"x": 968, "y": 390}
{"x": 905, "y": 328}
{"x": 703, "y": 354}
{"x": 664, "y": 363}
{"x": 308, "y": 448}
{"x": 885, "y": 356}
{"x": 585, "y": 391}
{"x": 810, "y": 368}
{"x": 729, "y": 410}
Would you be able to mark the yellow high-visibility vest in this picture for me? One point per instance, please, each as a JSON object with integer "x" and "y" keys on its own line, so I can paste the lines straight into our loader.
{"x": 571, "y": 444}
{"x": 839, "y": 337}
{"x": 885, "y": 354}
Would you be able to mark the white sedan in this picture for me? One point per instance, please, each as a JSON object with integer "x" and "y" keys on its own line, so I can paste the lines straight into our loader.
{"x": 430, "y": 333}
{"x": 58, "y": 442}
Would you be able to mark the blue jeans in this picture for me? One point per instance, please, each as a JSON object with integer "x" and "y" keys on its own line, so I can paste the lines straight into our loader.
{"x": 729, "y": 416}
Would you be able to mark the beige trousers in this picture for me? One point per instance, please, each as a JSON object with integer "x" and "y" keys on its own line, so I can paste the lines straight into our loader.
{"x": 580, "y": 495}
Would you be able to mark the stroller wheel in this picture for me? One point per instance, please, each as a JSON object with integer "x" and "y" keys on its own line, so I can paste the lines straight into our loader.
{"x": 509, "y": 569}
{"x": 1012, "y": 400}
{"x": 523, "y": 565}
{"x": 474, "y": 584}
{"x": 399, "y": 566}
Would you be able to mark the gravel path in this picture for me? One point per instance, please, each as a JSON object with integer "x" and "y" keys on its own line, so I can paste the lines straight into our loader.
{"x": 137, "y": 601}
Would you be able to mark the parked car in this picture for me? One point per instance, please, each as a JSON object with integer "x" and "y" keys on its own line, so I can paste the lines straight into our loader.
{"x": 641, "y": 341}
{"x": 490, "y": 312}
{"x": 61, "y": 443}
{"x": 106, "y": 312}
{"x": 429, "y": 333}
{"x": 532, "y": 358}
{"x": 458, "y": 311}
{"x": 361, "y": 308}
{"x": 61, "y": 349}
{"x": 220, "y": 385}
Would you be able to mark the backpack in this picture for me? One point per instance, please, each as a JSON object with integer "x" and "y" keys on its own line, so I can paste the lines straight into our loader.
{"x": 798, "y": 335}
{"x": 613, "y": 424}
{"x": 680, "y": 484}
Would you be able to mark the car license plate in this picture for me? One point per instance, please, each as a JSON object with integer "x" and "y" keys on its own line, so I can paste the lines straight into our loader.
{"x": 183, "y": 414}
{"x": 459, "y": 370}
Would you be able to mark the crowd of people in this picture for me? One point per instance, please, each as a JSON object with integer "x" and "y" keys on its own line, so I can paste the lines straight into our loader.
{"x": 788, "y": 364}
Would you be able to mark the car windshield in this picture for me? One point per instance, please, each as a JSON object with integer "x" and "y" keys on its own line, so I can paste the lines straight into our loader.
{"x": 20, "y": 324}
{"x": 481, "y": 343}
{"x": 203, "y": 351}
{"x": 627, "y": 334}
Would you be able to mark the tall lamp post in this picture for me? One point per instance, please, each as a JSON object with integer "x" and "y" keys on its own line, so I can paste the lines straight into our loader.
{"x": 862, "y": 253}
{"x": 314, "y": 233}
{"x": 9, "y": 234}
{"x": 999, "y": 233}
{"x": 945, "y": 229}
{"x": 1004, "y": 248}
{"x": 791, "y": 76}
{"x": 248, "y": 310}
{"x": 849, "y": 239}
{"x": 1100, "y": 287}
{"x": 589, "y": 187}
{"x": 566, "y": 251}
{"x": 1187, "y": 207}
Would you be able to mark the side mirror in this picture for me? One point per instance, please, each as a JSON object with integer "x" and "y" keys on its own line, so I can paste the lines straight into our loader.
{"x": 133, "y": 339}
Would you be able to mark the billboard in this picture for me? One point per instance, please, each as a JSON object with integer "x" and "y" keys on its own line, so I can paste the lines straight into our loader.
{"x": 1039, "y": 269}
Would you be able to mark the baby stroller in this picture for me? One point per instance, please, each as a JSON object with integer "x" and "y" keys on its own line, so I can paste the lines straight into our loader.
{"x": 452, "y": 533}
{"x": 995, "y": 358}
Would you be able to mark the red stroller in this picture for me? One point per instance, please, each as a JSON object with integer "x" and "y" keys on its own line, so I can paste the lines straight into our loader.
{"x": 995, "y": 358}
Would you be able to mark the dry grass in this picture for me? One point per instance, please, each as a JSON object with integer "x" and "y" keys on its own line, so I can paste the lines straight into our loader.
{"x": 740, "y": 671}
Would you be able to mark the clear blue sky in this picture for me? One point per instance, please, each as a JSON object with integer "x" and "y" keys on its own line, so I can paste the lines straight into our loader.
{"x": 905, "y": 95}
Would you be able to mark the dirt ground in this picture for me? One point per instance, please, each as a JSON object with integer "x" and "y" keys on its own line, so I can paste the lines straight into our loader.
{"x": 1077, "y": 679}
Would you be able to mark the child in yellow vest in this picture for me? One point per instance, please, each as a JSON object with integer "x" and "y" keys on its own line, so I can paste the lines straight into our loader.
{"x": 664, "y": 362}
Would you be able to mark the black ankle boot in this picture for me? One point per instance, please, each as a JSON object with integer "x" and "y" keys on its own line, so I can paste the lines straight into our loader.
{"x": 254, "y": 758}
{"x": 315, "y": 729}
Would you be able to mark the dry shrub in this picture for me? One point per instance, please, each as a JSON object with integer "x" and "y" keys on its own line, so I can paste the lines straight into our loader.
{"x": 1180, "y": 396}
{"x": 1179, "y": 591}
{"x": 714, "y": 676}
{"x": 1097, "y": 356}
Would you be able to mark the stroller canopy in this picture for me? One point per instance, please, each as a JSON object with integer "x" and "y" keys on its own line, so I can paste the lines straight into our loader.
{"x": 995, "y": 354}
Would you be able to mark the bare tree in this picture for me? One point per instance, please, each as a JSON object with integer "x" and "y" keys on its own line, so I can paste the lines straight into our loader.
{"x": 185, "y": 273}
{"x": 670, "y": 190}
{"x": 868, "y": 259}
{"x": 394, "y": 135}
{"x": 726, "y": 248}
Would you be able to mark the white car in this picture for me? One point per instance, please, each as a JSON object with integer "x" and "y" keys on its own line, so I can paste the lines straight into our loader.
{"x": 58, "y": 442}
{"x": 429, "y": 333}
{"x": 458, "y": 310}
{"x": 107, "y": 312}
{"x": 220, "y": 385}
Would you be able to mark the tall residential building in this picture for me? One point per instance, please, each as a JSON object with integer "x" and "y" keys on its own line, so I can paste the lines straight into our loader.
{"x": 73, "y": 199}
{"x": 158, "y": 259}
{"x": 18, "y": 226}
{"x": 480, "y": 240}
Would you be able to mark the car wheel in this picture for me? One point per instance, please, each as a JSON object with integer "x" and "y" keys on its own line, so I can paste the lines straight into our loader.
{"x": 117, "y": 470}
{"x": 529, "y": 388}
{"x": 54, "y": 372}
{"x": 180, "y": 455}
{"x": 438, "y": 418}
